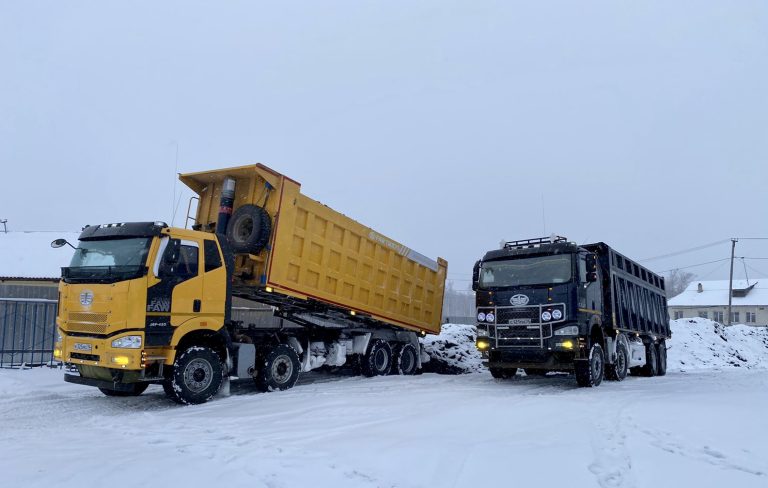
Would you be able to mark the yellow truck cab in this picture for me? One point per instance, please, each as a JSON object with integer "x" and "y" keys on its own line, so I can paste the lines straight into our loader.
{"x": 133, "y": 292}
{"x": 145, "y": 303}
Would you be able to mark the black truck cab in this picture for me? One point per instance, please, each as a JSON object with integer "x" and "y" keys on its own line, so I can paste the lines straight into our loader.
{"x": 547, "y": 304}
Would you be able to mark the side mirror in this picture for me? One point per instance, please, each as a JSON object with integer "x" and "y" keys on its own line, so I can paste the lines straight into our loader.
{"x": 61, "y": 243}
{"x": 592, "y": 276}
{"x": 591, "y": 262}
{"x": 475, "y": 276}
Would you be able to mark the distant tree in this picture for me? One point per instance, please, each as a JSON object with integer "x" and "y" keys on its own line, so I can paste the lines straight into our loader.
{"x": 677, "y": 281}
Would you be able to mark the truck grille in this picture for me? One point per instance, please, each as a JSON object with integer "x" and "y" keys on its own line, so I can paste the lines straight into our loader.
{"x": 84, "y": 357}
{"x": 86, "y": 322}
{"x": 523, "y": 326}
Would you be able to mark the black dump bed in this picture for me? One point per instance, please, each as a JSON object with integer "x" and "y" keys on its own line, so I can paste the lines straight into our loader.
{"x": 635, "y": 296}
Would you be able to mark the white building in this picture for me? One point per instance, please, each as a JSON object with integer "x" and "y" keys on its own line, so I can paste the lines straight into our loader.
{"x": 709, "y": 299}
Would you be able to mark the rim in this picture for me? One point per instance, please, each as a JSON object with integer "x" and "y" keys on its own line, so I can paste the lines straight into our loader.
{"x": 282, "y": 369}
{"x": 380, "y": 360}
{"x": 406, "y": 361}
{"x": 597, "y": 366}
{"x": 244, "y": 228}
{"x": 621, "y": 359}
{"x": 198, "y": 375}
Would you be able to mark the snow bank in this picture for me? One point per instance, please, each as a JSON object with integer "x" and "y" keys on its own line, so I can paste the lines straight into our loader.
{"x": 696, "y": 344}
{"x": 704, "y": 344}
{"x": 453, "y": 351}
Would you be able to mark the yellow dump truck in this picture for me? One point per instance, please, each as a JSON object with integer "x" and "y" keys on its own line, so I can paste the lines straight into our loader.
{"x": 146, "y": 303}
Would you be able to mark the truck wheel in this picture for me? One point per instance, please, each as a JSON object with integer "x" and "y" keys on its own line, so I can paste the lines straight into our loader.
{"x": 502, "y": 373}
{"x": 249, "y": 229}
{"x": 280, "y": 370}
{"x": 378, "y": 360}
{"x": 618, "y": 370}
{"x": 661, "y": 355}
{"x": 405, "y": 360}
{"x": 590, "y": 373}
{"x": 651, "y": 367}
{"x": 138, "y": 389}
{"x": 196, "y": 377}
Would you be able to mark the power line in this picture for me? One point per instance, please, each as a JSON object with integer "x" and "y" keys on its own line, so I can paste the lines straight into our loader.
{"x": 695, "y": 265}
{"x": 685, "y": 251}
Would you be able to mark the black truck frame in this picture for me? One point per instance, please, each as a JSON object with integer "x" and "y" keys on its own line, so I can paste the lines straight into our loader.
{"x": 547, "y": 304}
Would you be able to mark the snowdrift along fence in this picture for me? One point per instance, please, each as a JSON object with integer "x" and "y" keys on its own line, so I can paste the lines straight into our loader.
{"x": 27, "y": 331}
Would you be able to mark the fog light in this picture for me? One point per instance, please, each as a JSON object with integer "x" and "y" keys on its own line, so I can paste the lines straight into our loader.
{"x": 483, "y": 345}
{"x": 57, "y": 353}
{"x": 565, "y": 344}
{"x": 268, "y": 289}
{"x": 121, "y": 360}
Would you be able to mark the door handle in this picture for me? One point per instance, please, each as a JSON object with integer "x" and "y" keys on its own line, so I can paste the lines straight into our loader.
{"x": 196, "y": 304}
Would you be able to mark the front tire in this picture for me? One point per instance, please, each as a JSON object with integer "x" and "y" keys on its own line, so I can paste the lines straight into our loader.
{"x": 197, "y": 376}
{"x": 280, "y": 370}
{"x": 378, "y": 360}
{"x": 138, "y": 389}
{"x": 618, "y": 370}
{"x": 590, "y": 373}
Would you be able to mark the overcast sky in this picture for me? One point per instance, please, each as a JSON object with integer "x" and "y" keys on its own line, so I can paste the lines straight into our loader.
{"x": 446, "y": 125}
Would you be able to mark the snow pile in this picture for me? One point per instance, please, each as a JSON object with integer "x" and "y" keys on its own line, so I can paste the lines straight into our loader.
{"x": 453, "y": 351}
{"x": 704, "y": 344}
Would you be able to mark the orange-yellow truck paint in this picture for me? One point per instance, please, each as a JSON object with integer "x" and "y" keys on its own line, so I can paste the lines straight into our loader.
{"x": 318, "y": 253}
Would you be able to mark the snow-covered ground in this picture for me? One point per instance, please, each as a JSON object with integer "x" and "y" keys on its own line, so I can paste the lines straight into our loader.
{"x": 704, "y": 427}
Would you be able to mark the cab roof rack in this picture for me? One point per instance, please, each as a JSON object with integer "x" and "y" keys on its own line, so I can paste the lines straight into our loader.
{"x": 553, "y": 239}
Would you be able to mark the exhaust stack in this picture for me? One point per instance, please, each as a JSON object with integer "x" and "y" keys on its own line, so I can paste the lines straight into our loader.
{"x": 225, "y": 205}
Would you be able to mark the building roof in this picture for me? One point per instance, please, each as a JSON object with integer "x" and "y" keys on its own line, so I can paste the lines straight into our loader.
{"x": 715, "y": 294}
{"x": 29, "y": 255}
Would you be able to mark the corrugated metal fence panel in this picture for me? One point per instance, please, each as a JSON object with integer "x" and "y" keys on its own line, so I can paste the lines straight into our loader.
{"x": 27, "y": 331}
{"x": 48, "y": 291}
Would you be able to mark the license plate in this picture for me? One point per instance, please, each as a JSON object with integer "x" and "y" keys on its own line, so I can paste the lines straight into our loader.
{"x": 79, "y": 346}
{"x": 520, "y": 321}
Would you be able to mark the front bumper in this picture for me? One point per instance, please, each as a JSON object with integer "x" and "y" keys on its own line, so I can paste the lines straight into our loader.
{"x": 91, "y": 351}
{"x": 109, "y": 385}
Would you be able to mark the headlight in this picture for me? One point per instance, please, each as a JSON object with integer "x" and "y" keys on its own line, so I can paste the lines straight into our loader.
{"x": 557, "y": 314}
{"x": 566, "y": 331}
{"x": 546, "y": 316}
{"x": 127, "y": 342}
{"x": 481, "y": 317}
{"x": 58, "y": 336}
{"x": 490, "y": 317}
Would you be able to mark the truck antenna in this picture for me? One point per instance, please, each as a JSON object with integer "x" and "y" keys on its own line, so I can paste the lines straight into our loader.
{"x": 174, "y": 204}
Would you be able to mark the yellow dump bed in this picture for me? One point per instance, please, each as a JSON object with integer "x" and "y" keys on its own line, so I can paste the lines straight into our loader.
{"x": 316, "y": 253}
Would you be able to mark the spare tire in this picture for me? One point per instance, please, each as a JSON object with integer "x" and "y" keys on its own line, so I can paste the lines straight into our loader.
{"x": 249, "y": 229}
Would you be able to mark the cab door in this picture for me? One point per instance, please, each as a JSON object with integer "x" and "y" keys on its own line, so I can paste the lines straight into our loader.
{"x": 177, "y": 295}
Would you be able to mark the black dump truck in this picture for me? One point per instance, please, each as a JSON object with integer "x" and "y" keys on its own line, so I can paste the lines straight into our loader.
{"x": 547, "y": 304}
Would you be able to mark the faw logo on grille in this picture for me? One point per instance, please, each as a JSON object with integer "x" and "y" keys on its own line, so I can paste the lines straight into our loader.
{"x": 519, "y": 300}
{"x": 86, "y": 298}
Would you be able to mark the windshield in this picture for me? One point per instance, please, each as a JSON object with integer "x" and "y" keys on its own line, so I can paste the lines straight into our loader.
{"x": 526, "y": 271}
{"x": 108, "y": 260}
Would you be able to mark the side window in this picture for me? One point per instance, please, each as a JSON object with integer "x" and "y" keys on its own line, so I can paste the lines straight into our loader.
{"x": 180, "y": 261}
{"x": 212, "y": 257}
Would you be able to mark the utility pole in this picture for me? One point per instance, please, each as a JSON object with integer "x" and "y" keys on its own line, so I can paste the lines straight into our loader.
{"x": 5, "y": 227}
{"x": 730, "y": 283}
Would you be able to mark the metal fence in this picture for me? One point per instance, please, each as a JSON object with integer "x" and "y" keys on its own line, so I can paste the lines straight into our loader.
{"x": 27, "y": 331}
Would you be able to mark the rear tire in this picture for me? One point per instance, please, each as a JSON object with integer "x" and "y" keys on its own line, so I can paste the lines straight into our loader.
{"x": 651, "y": 367}
{"x": 661, "y": 355}
{"x": 618, "y": 370}
{"x": 378, "y": 360}
{"x": 138, "y": 389}
{"x": 503, "y": 373}
{"x": 405, "y": 360}
{"x": 590, "y": 373}
{"x": 280, "y": 370}
{"x": 196, "y": 377}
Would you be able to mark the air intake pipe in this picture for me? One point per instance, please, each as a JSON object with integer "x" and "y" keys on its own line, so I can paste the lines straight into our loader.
{"x": 225, "y": 205}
